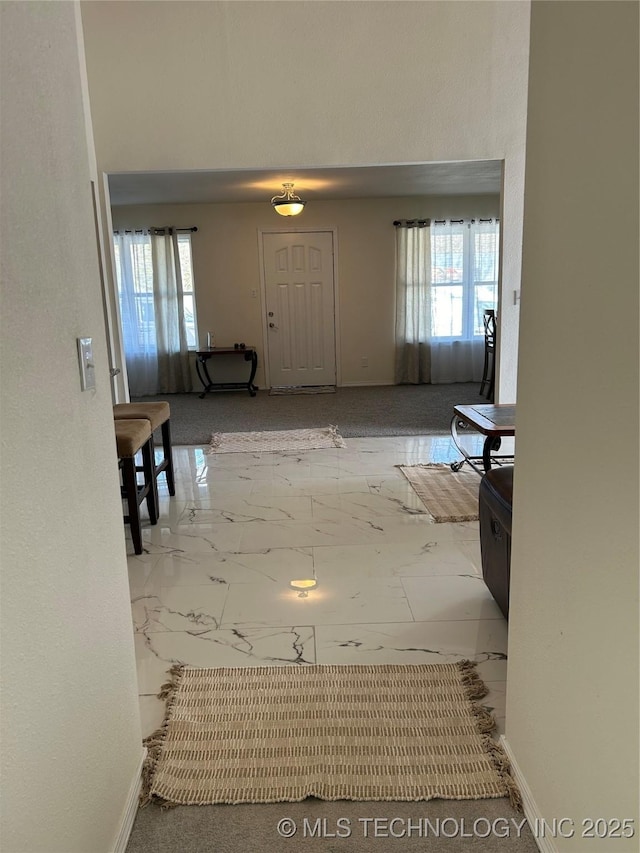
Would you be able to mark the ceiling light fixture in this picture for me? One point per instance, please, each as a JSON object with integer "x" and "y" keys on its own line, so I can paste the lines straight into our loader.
{"x": 288, "y": 203}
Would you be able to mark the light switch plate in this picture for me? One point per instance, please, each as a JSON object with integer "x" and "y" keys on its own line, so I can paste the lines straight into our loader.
{"x": 87, "y": 367}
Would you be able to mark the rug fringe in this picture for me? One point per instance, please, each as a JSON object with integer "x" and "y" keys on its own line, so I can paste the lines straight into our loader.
{"x": 338, "y": 440}
{"x": 155, "y": 741}
{"x": 484, "y": 719}
{"x": 475, "y": 689}
{"x": 503, "y": 767}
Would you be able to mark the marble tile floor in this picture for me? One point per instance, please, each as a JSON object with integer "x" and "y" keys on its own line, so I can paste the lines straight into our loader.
{"x": 212, "y": 586}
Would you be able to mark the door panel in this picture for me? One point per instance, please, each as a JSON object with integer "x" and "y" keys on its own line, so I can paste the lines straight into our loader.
{"x": 300, "y": 305}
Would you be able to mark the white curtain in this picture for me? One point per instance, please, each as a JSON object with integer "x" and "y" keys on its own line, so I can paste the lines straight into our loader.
{"x": 446, "y": 277}
{"x": 151, "y": 312}
{"x": 413, "y": 304}
{"x": 135, "y": 290}
{"x": 465, "y": 283}
{"x": 457, "y": 361}
{"x": 455, "y": 355}
{"x": 174, "y": 372}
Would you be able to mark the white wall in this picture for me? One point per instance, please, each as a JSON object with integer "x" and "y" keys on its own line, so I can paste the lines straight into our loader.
{"x": 572, "y": 692}
{"x": 71, "y": 742}
{"x": 213, "y": 85}
{"x": 227, "y": 268}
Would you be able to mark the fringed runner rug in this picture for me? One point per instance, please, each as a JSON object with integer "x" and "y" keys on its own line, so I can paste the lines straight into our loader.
{"x": 281, "y": 734}
{"x": 287, "y": 390}
{"x": 273, "y": 440}
{"x": 448, "y": 495}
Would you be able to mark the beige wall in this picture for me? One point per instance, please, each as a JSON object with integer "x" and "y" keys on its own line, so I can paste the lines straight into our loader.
{"x": 227, "y": 268}
{"x": 213, "y": 85}
{"x": 71, "y": 743}
{"x": 572, "y": 700}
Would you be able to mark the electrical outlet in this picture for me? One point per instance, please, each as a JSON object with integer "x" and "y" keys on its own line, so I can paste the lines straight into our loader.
{"x": 254, "y": 294}
{"x": 87, "y": 366}
{"x": 364, "y": 361}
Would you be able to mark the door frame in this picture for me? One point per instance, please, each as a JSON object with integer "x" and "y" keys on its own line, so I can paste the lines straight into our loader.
{"x": 308, "y": 229}
{"x": 110, "y": 298}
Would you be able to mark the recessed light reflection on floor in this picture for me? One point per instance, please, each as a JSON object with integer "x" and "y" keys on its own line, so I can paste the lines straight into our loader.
{"x": 305, "y": 588}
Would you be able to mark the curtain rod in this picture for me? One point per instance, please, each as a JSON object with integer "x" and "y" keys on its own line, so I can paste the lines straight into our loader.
{"x": 412, "y": 223}
{"x": 168, "y": 228}
{"x": 462, "y": 221}
{"x": 171, "y": 229}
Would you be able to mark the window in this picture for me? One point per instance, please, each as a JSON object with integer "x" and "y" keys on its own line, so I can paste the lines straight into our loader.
{"x": 134, "y": 263}
{"x": 464, "y": 277}
{"x": 188, "y": 294}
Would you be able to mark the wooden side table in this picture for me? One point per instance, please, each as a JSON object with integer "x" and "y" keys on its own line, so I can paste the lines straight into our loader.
{"x": 204, "y": 355}
{"x": 493, "y": 421}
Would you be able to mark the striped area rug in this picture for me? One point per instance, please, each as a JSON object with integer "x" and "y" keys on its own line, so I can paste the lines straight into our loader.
{"x": 281, "y": 734}
{"x": 447, "y": 495}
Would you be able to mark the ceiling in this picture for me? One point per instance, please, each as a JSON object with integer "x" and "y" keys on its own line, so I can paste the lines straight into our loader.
{"x": 472, "y": 177}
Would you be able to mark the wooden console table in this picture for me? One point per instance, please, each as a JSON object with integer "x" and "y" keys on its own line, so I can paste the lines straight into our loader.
{"x": 493, "y": 421}
{"x": 203, "y": 356}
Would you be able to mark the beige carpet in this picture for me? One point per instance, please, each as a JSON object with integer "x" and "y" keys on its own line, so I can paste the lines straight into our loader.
{"x": 281, "y": 734}
{"x": 448, "y": 495}
{"x": 274, "y": 440}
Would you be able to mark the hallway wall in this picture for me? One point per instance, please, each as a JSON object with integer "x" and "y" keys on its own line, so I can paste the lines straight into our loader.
{"x": 572, "y": 689}
{"x": 71, "y": 742}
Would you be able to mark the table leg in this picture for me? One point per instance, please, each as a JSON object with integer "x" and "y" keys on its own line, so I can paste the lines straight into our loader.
{"x": 491, "y": 443}
{"x": 254, "y": 365}
{"x": 456, "y": 466}
{"x": 206, "y": 385}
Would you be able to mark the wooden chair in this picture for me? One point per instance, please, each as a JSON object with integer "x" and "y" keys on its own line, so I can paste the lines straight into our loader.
{"x": 134, "y": 436}
{"x": 489, "y": 370}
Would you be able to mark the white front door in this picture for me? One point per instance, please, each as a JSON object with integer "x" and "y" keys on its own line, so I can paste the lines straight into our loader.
{"x": 300, "y": 307}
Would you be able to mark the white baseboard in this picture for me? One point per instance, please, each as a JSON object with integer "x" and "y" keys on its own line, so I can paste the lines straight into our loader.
{"x": 131, "y": 809}
{"x": 530, "y": 807}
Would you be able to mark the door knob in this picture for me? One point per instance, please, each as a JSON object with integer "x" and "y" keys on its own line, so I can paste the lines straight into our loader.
{"x": 272, "y": 325}
{"x": 271, "y": 313}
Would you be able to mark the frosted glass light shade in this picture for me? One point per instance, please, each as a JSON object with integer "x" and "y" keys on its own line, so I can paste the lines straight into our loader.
{"x": 289, "y": 208}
